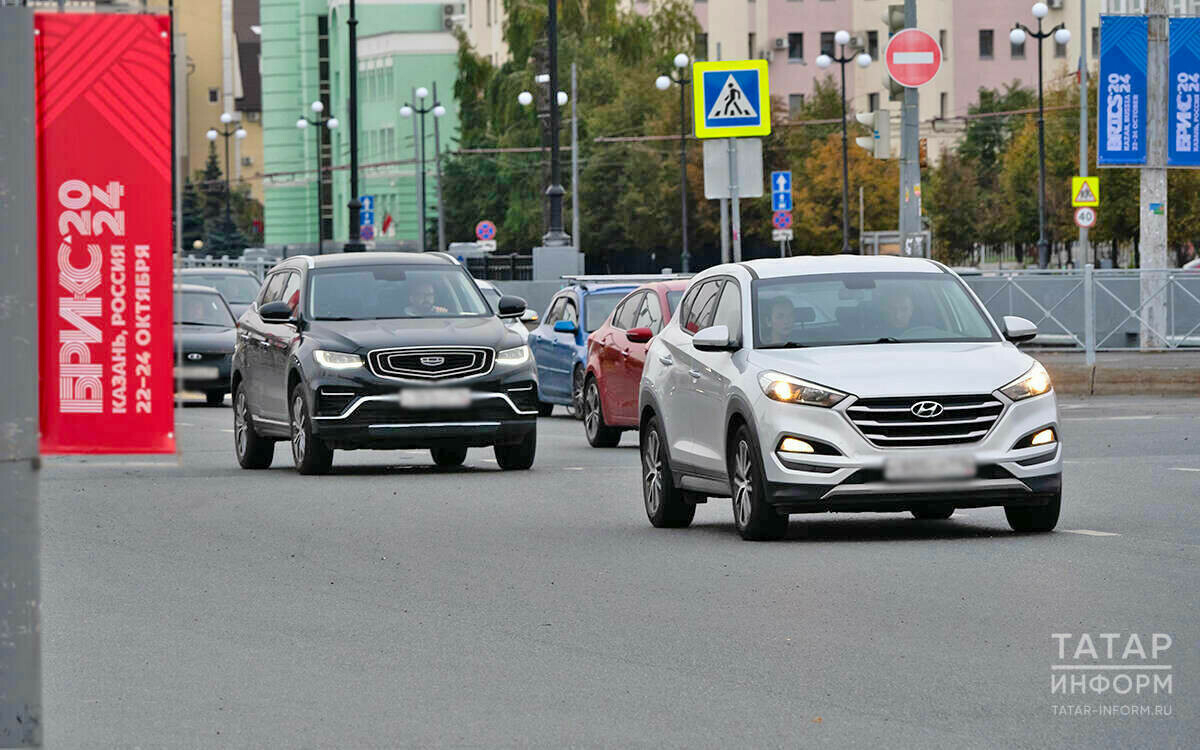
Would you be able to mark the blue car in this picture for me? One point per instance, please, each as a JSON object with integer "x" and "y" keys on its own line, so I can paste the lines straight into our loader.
{"x": 559, "y": 343}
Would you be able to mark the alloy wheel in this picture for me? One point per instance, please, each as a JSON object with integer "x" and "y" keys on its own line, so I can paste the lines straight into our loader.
{"x": 743, "y": 483}
{"x": 240, "y": 423}
{"x": 299, "y": 446}
{"x": 652, "y": 472}
{"x": 591, "y": 410}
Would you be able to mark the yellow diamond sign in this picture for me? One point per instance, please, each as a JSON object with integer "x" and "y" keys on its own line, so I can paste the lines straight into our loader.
{"x": 1085, "y": 191}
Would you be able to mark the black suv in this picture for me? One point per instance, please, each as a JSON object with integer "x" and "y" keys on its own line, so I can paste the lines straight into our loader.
{"x": 382, "y": 351}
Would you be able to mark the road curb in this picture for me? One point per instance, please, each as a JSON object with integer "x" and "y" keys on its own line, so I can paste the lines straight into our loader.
{"x": 1121, "y": 374}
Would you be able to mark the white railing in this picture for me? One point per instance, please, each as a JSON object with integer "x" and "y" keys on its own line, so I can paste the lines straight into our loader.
{"x": 257, "y": 266}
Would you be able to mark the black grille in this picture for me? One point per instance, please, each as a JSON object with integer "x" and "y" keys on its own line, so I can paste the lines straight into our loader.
{"x": 431, "y": 363}
{"x": 892, "y": 423}
{"x": 524, "y": 395}
{"x": 389, "y": 412}
{"x": 333, "y": 401}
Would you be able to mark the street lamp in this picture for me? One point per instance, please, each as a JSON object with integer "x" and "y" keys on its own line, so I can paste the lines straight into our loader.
{"x": 1017, "y": 37}
{"x": 354, "y": 245}
{"x": 419, "y": 94}
{"x": 556, "y": 236}
{"x": 329, "y": 122}
{"x": 842, "y": 38}
{"x": 228, "y": 129}
{"x": 663, "y": 83}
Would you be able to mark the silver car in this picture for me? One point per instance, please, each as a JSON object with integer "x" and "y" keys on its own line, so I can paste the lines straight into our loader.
{"x": 845, "y": 383}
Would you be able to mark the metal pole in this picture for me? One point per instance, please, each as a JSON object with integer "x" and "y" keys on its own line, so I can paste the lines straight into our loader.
{"x": 685, "y": 257}
{"x": 555, "y": 237}
{"x": 228, "y": 221}
{"x": 20, "y": 588}
{"x": 735, "y": 234}
{"x": 421, "y": 181}
{"x": 575, "y": 162}
{"x": 437, "y": 171}
{"x": 845, "y": 164}
{"x": 725, "y": 253}
{"x": 416, "y": 176}
{"x": 1085, "y": 255}
{"x": 1089, "y": 313}
{"x": 320, "y": 238}
{"x": 1043, "y": 243}
{"x": 1153, "y": 238}
{"x": 910, "y": 163}
{"x": 861, "y": 219}
{"x": 354, "y": 245}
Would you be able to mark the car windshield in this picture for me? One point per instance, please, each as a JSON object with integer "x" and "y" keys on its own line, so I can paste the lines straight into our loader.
{"x": 373, "y": 292}
{"x": 673, "y": 300}
{"x": 238, "y": 289}
{"x": 865, "y": 308}
{"x": 492, "y": 294}
{"x": 597, "y": 306}
{"x": 203, "y": 309}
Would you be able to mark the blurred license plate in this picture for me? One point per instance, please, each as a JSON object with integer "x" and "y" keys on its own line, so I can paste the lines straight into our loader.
{"x": 197, "y": 373}
{"x": 929, "y": 466}
{"x": 435, "y": 398}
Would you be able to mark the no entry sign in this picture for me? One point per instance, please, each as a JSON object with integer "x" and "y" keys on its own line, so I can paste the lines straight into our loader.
{"x": 913, "y": 58}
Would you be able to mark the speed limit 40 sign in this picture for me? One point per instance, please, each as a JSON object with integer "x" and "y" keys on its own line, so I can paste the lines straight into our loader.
{"x": 1085, "y": 217}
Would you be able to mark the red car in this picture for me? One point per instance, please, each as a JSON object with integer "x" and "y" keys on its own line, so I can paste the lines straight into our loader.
{"x": 616, "y": 353}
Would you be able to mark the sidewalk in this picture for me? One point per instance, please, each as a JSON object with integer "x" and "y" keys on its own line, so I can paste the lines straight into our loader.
{"x": 1174, "y": 373}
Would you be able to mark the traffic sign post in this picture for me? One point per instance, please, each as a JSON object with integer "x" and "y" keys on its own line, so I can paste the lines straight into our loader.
{"x": 1085, "y": 191}
{"x": 1085, "y": 217}
{"x": 781, "y": 191}
{"x": 913, "y": 58}
{"x": 366, "y": 217}
{"x": 782, "y": 220}
{"x": 485, "y": 230}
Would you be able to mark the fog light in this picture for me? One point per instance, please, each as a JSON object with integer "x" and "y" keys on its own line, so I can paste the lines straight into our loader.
{"x": 1044, "y": 437}
{"x": 795, "y": 445}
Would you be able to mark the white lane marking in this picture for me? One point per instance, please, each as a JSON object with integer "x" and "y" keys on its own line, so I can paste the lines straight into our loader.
{"x": 184, "y": 424}
{"x": 1089, "y": 532}
{"x": 488, "y": 460}
{"x": 912, "y": 58}
{"x": 114, "y": 465}
{"x": 225, "y": 430}
{"x": 572, "y": 468}
{"x": 1109, "y": 419}
{"x": 1183, "y": 468}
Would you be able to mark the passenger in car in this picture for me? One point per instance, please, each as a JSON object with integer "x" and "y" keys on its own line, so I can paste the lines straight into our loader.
{"x": 779, "y": 321}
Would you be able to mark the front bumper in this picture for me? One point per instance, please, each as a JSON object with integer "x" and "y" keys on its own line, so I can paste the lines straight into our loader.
{"x": 208, "y": 374}
{"x": 855, "y": 482}
{"x": 362, "y": 411}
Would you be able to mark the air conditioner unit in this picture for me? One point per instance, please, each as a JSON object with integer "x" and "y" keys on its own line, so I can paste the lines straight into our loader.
{"x": 858, "y": 41}
{"x": 766, "y": 54}
{"x": 454, "y": 22}
{"x": 780, "y": 43}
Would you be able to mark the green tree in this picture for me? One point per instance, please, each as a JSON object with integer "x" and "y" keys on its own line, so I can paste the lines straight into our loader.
{"x": 192, "y": 219}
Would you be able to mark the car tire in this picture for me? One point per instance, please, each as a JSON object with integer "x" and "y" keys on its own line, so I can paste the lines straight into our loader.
{"x": 309, "y": 452}
{"x": 665, "y": 503}
{"x": 599, "y": 434}
{"x": 753, "y": 516}
{"x": 577, "y": 379}
{"x": 214, "y": 398}
{"x": 253, "y": 451}
{"x": 517, "y": 456}
{"x": 1035, "y": 519}
{"x": 452, "y": 456}
{"x": 933, "y": 512}
{"x": 545, "y": 409}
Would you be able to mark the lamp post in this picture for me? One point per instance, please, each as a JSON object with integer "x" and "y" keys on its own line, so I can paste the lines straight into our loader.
{"x": 354, "y": 245}
{"x": 228, "y": 129}
{"x": 663, "y": 83}
{"x": 555, "y": 237}
{"x": 419, "y": 95}
{"x": 1017, "y": 37}
{"x": 842, "y": 38}
{"x": 326, "y": 121}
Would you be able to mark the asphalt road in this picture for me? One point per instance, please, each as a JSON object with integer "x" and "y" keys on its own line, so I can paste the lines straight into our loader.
{"x": 188, "y": 603}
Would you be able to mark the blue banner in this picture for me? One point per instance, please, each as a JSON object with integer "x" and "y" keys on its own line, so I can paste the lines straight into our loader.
{"x": 1183, "y": 89}
{"x": 1122, "y": 119}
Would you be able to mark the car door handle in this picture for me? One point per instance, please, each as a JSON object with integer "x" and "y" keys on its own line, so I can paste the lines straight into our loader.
{"x": 624, "y": 352}
{"x": 666, "y": 359}
{"x": 695, "y": 374}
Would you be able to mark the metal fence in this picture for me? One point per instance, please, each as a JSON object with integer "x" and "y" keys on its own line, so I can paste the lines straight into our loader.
{"x": 513, "y": 267}
{"x": 1098, "y": 309}
{"x": 257, "y": 266}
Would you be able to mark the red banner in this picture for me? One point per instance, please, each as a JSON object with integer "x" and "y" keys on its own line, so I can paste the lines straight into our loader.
{"x": 104, "y": 213}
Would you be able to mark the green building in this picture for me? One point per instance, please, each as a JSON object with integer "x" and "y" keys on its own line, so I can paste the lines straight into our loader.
{"x": 402, "y": 44}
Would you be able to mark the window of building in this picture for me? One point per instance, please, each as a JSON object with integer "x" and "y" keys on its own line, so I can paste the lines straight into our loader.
{"x": 701, "y": 51}
{"x": 1060, "y": 50}
{"x": 214, "y": 96}
{"x": 872, "y": 102}
{"x": 795, "y": 46}
{"x": 1095, "y": 41}
{"x": 942, "y": 43}
{"x": 873, "y": 44}
{"x": 827, "y": 43}
{"x": 985, "y": 44}
{"x": 943, "y": 104}
{"x": 751, "y": 38}
{"x": 1016, "y": 51}
{"x": 1126, "y": 6}
{"x": 795, "y": 105}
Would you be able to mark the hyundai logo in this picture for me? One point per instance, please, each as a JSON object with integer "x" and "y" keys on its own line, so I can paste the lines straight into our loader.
{"x": 927, "y": 409}
{"x": 194, "y": 355}
{"x": 432, "y": 361}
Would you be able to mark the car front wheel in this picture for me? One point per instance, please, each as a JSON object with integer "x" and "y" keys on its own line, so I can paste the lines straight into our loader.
{"x": 933, "y": 512}
{"x": 518, "y": 456}
{"x": 666, "y": 504}
{"x": 576, "y": 406}
{"x": 1039, "y": 518}
{"x": 453, "y": 456}
{"x": 599, "y": 434}
{"x": 753, "y": 516}
{"x": 309, "y": 452}
{"x": 253, "y": 451}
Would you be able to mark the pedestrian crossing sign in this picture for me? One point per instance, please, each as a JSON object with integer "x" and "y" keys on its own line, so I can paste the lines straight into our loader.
{"x": 1085, "y": 191}
{"x": 731, "y": 99}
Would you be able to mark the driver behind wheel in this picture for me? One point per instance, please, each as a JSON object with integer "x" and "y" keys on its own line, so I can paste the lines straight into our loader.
{"x": 897, "y": 306}
{"x": 421, "y": 300}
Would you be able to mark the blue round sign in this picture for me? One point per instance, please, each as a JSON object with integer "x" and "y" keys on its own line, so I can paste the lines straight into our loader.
{"x": 485, "y": 230}
{"x": 367, "y": 232}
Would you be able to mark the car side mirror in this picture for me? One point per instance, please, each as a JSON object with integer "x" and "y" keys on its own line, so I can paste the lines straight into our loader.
{"x": 639, "y": 335}
{"x": 714, "y": 339}
{"x": 510, "y": 307}
{"x": 276, "y": 312}
{"x": 1017, "y": 329}
{"x": 565, "y": 326}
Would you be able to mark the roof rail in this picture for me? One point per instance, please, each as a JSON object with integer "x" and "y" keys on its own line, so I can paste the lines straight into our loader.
{"x": 447, "y": 256}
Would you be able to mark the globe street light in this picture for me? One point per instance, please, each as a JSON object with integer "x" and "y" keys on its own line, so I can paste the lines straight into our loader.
{"x": 330, "y": 123}
{"x": 862, "y": 60}
{"x": 420, "y": 94}
{"x": 228, "y": 130}
{"x": 555, "y": 236}
{"x": 1017, "y": 36}
{"x": 662, "y": 83}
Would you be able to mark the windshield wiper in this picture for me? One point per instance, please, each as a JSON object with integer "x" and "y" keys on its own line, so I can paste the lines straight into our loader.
{"x": 887, "y": 340}
{"x": 336, "y": 318}
{"x": 202, "y": 323}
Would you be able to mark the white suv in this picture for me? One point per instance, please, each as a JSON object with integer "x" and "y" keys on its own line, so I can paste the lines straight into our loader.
{"x": 845, "y": 383}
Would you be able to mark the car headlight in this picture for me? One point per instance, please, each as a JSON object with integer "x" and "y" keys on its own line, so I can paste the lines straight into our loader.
{"x": 337, "y": 360}
{"x": 1034, "y": 382}
{"x": 791, "y": 390}
{"x": 518, "y": 355}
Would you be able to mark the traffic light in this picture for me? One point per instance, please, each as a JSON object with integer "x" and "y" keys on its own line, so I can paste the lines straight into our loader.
{"x": 894, "y": 19}
{"x": 895, "y": 90}
{"x": 923, "y": 153}
{"x": 879, "y": 143}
